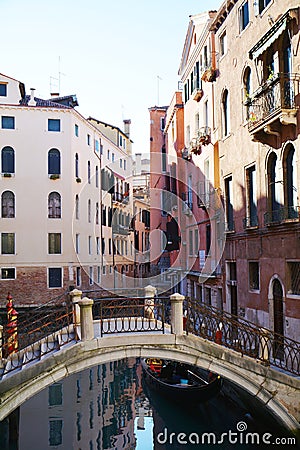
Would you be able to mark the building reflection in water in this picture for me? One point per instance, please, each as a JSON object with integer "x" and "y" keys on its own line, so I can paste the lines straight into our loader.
{"x": 94, "y": 409}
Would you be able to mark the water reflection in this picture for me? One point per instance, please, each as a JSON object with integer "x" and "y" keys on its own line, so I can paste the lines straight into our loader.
{"x": 108, "y": 407}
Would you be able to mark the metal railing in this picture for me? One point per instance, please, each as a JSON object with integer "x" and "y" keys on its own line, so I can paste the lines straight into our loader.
{"x": 250, "y": 221}
{"x": 282, "y": 214}
{"x": 243, "y": 336}
{"x": 276, "y": 94}
{"x": 124, "y": 315}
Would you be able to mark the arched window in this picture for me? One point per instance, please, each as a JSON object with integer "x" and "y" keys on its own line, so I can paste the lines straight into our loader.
{"x": 77, "y": 207}
{"x": 247, "y": 88}
{"x": 8, "y": 204}
{"x": 54, "y": 162}
{"x": 54, "y": 205}
{"x": 273, "y": 203}
{"x": 290, "y": 182}
{"x": 225, "y": 113}
{"x": 76, "y": 166}
{"x": 8, "y": 160}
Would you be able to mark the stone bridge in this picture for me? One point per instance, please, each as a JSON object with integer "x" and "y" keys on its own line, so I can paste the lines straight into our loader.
{"x": 276, "y": 390}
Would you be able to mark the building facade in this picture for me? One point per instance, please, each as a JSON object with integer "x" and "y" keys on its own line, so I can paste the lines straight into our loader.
{"x": 257, "y": 116}
{"x": 51, "y": 196}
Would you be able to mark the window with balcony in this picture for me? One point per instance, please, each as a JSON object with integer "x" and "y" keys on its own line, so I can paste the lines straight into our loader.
{"x": 8, "y": 160}
{"x": 7, "y": 205}
{"x": 244, "y": 15}
{"x": 54, "y": 205}
{"x": 54, "y": 162}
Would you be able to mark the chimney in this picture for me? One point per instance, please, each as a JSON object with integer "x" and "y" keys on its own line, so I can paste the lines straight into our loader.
{"x": 127, "y": 123}
{"x": 32, "y": 102}
{"x": 54, "y": 94}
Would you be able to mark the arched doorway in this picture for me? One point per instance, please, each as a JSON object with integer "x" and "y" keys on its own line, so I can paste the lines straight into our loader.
{"x": 278, "y": 349}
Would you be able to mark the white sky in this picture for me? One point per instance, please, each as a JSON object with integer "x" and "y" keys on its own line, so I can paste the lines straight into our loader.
{"x": 109, "y": 53}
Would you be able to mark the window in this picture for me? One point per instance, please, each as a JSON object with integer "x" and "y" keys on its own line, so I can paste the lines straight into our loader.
{"x": 196, "y": 241}
{"x": 54, "y": 205}
{"x": 77, "y": 207}
{"x": 244, "y": 15}
{"x": 109, "y": 246}
{"x": 90, "y": 244}
{"x": 262, "y": 4}
{"x": 7, "y": 243}
{"x": 108, "y": 154}
{"x": 88, "y": 139}
{"x": 290, "y": 182}
{"x": 78, "y": 276}
{"x": 97, "y": 148}
{"x": 89, "y": 211}
{"x": 293, "y": 277}
{"x": 98, "y": 245}
{"x": 8, "y": 122}
{"x": 8, "y": 273}
{"x": 53, "y": 124}
{"x": 54, "y": 243}
{"x": 273, "y": 190}
{"x": 76, "y": 130}
{"x": 191, "y": 242}
{"x": 7, "y": 205}
{"x": 76, "y": 165}
{"x": 121, "y": 163}
{"x": 77, "y": 242}
{"x": 98, "y": 274}
{"x": 55, "y": 432}
{"x": 97, "y": 213}
{"x": 53, "y": 162}
{"x": 223, "y": 43}
{"x": 55, "y": 277}
{"x": 103, "y": 246}
{"x": 251, "y": 201}
{"x": 55, "y": 395}
{"x": 7, "y": 160}
{"x": 162, "y": 123}
{"x": 3, "y": 89}
{"x": 97, "y": 176}
{"x": 208, "y": 238}
{"x": 113, "y": 157}
{"x": 89, "y": 172}
{"x": 91, "y": 278}
{"x": 163, "y": 159}
{"x": 124, "y": 165}
{"x": 225, "y": 113}
{"x": 228, "y": 204}
{"x": 254, "y": 276}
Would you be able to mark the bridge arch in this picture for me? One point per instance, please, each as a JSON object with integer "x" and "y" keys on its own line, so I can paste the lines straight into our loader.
{"x": 272, "y": 388}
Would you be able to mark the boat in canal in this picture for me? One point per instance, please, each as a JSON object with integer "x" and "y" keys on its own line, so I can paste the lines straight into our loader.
{"x": 182, "y": 383}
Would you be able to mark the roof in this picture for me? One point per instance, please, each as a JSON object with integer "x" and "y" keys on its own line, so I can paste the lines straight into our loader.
{"x": 43, "y": 103}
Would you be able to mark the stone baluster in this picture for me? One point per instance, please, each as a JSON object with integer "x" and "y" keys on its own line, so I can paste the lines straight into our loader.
{"x": 86, "y": 319}
{"x": 150, "y": 293}
{"x": 264, "y": 340}
{"x": 177, "y": 313}
{"x": 76, "y": 296}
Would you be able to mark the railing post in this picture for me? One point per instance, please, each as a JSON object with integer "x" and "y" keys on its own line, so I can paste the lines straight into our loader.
{"x": 263, "y": 352}
{"x": 76, "y": 296}
{"x": 86, "y": 318}
{"x": 177, "y": 313}
{"x": 150, "y": 293}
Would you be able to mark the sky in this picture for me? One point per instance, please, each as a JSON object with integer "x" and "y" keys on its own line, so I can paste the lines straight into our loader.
{"x": 119, "y": 57}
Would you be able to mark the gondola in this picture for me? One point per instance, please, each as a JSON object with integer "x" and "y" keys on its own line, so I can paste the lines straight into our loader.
{"x": 182, "y": 383}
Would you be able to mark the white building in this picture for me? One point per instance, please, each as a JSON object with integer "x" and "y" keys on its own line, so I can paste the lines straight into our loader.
{"x": 51, "y": 160}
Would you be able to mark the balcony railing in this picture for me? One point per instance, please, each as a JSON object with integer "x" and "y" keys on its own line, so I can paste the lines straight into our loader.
{"x": 282, "y": 214}
{"x": 120, "y": 229}
{"x": 274, "y": 99}
{"x": 203, "y": 137}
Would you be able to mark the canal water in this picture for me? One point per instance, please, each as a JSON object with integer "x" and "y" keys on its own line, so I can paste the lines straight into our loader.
{"x": 109, "y": 407}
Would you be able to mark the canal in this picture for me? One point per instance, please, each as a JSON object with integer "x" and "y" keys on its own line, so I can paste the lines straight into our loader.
{"x": 109, "y": 407}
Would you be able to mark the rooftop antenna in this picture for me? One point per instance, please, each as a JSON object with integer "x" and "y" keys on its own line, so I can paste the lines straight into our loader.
{"x": 56, "y": 80}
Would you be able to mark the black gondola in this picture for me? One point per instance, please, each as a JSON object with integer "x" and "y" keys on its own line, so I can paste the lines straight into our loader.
{"x": 180, "y": 382}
